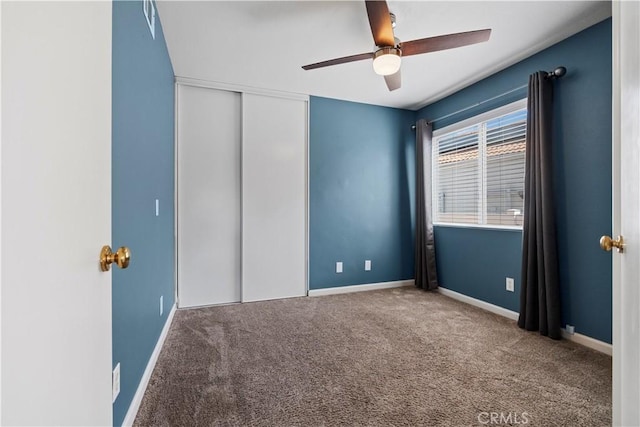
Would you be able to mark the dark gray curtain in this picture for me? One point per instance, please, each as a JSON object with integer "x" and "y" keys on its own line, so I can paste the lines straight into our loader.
{"x": 540, "y": 292}
{"x": 425, "y": 251}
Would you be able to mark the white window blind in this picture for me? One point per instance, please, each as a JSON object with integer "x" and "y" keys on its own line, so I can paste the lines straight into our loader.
{"x": 478, "y": 169}
{"x": 458, "y": 188}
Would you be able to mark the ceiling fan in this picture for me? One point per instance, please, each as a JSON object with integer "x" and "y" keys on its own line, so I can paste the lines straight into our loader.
{"x": 389, "y": 50}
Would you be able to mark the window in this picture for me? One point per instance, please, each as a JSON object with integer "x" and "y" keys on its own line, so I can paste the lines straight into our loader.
{"x": 478, "y": 169}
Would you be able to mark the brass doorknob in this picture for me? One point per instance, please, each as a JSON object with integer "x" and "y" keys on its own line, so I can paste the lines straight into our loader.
{"x": 607, "y": 243}
{"x": 121, "y": 257}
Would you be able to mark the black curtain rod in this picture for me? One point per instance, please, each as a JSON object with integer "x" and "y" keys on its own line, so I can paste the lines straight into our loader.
{"x": 557, "y": 73}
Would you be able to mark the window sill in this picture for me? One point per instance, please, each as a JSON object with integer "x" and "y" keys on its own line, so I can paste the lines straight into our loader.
{"x": 480, "y": 226}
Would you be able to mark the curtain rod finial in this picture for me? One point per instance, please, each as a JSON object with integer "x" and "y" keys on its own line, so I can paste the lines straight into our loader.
{"x": 558, "y": 72}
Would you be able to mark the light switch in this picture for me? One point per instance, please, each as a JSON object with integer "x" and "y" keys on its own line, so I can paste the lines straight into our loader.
{"x": 157, "y": 207}
{"x": 367, "y": 265}
{"x": 339, "y": 267}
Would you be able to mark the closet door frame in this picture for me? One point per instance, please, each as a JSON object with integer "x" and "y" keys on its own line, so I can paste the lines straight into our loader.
{"x": 184, "y": 81}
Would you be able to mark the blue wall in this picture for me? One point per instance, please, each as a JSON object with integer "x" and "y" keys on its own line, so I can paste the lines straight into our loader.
{"x": 142, "y": 171}
{"x": 361, "y": 186}
{"x": 475, "y": 262}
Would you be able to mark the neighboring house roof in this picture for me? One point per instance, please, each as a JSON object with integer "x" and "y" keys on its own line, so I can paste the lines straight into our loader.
{"x": 492, "y": 150}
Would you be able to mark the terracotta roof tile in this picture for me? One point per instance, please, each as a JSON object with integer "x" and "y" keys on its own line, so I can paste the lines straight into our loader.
{"x": 492, "y": 150}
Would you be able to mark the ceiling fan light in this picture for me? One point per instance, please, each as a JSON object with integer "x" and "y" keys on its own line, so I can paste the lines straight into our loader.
{"x": 387, "y": 61}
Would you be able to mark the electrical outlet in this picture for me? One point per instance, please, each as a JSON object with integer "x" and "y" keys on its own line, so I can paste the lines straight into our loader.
{"x": 339, "y": 267}
{"x": 161, "y": 304}
{"x": 367, "y": 265}
{"x": 570, "y": 329}
{"x": 115, "y": 383}
{"x": 510, "y": 284}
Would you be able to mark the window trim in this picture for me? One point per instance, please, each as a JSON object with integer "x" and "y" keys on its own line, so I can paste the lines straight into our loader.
{"x": 475, "y": 120}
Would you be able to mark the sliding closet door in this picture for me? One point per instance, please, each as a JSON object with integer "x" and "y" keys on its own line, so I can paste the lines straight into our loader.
{"x": 208, "y": 174}
{"x": 274, "y": 197}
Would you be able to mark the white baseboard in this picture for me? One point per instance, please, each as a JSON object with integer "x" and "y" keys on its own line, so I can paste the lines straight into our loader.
{"x": 144, "y": 381}
{"x": 478, "y": 303}
{"x": 360, "y": 288}
{"x": 584, "y": 340}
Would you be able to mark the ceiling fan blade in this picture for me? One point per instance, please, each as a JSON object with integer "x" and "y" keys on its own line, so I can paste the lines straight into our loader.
{"x": 448, "y": 41}
{"x": 393, "y": 81}
{"x": 380, "y": 23}
{"x": 337, "y": 61}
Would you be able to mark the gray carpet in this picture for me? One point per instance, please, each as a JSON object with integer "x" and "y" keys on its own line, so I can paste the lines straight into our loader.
{"x": 399, "y": 357}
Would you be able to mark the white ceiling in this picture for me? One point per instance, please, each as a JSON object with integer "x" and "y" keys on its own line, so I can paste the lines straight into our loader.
{"x": 263, "y": 44}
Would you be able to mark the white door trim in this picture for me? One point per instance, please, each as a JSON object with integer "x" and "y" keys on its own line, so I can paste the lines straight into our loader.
{"x": 0, "y": 216}
{"x": 625, "y": 209}
{"x": 615, "y": 200}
